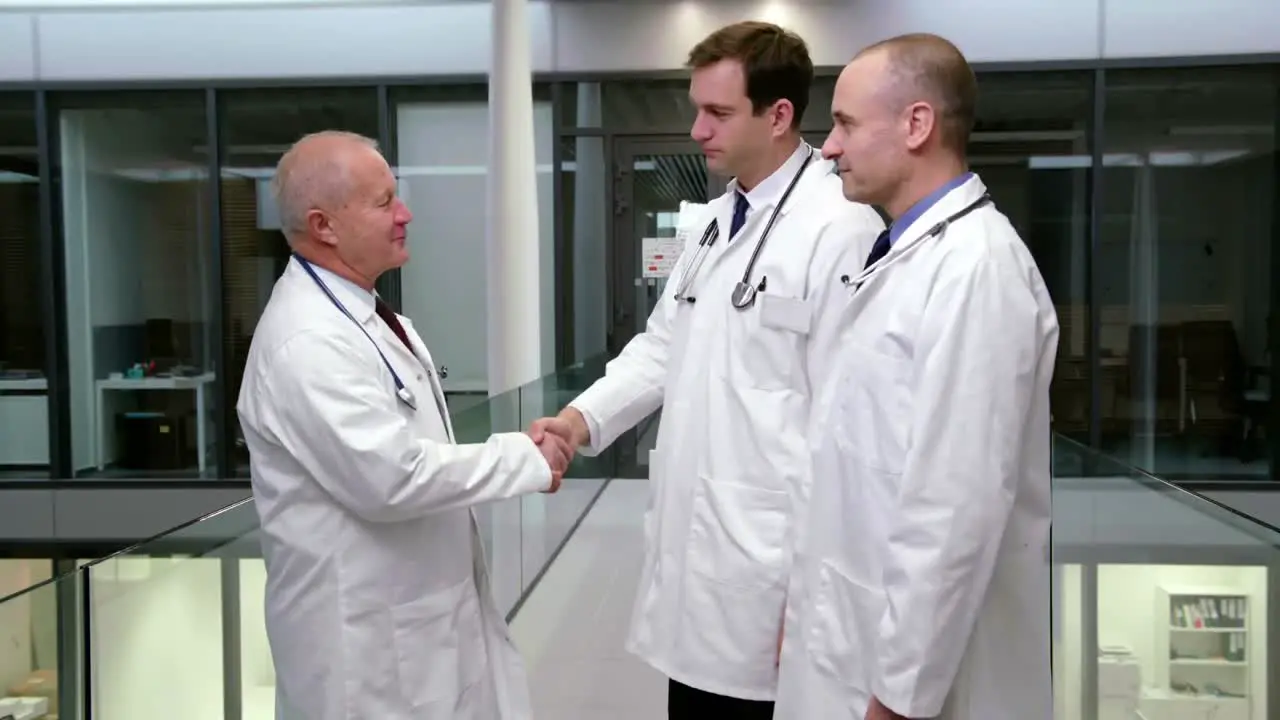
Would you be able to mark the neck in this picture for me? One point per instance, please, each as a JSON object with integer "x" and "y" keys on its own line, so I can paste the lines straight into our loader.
{"x": 777, "y": 156}
{"x": 328, "y": 259}
{"x": 925, "y": 181}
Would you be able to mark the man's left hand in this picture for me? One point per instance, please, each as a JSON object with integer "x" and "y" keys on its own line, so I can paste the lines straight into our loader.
{"x": 877, "y": 711}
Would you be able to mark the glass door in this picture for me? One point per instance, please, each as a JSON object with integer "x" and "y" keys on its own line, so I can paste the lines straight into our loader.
{"x": 651, "y": 176}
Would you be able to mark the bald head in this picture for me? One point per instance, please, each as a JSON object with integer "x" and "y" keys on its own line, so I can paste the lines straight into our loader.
{"x": 924, "y": 68}
{"x": 316, "y": 172}
{"x": 339, "y": 206}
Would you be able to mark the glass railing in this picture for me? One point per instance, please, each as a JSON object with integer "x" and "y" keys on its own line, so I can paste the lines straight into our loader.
{"x": 175, "y": 624}
{"x": 1161, "y": 598}
{"x": 1161, "y": 604}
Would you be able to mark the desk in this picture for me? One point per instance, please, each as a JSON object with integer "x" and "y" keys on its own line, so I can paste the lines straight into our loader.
{"x": 24, "y": 415}
{"x": 198, "y": 383}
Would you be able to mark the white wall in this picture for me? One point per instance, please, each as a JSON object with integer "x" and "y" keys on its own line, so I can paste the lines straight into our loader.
{"x": 157, "y": 639}
{"x": 124, "y": 264}
{"x": 444, "y": 158}
{"x": 90, "y": 41}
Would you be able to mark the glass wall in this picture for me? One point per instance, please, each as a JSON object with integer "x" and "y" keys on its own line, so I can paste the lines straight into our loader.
{"x": 257, "y": 127}
{"x": 24, "y": 404}
{"x": 133, "y": 172}
{"x": 1031, "y": 146}
{"x": 1147, "y": 196}
{"x": 441, "y": 138}
{"x": 28, "y": 632}
{"x": 1185, "y": 269}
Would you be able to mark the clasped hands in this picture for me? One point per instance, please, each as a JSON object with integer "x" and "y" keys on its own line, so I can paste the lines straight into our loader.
{"x": 558, "y": 438}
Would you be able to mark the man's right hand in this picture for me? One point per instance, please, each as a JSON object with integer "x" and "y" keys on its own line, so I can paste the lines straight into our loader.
{"x": 569, "y": 425}
{"x": 558, "y": 455}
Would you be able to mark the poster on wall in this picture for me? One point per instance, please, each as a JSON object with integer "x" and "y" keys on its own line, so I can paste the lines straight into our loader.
{"x": 659, "y": 256}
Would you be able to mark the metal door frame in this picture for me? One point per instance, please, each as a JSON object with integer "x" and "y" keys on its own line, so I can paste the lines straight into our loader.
{"x": 624, "y": 249}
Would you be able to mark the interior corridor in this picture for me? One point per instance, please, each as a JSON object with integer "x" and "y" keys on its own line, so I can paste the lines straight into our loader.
{"x": 572, "y": 626}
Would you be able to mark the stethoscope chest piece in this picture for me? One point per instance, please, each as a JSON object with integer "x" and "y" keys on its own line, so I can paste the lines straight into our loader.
{"x": 406, "y": 396}
{"x": 743, "y": 295}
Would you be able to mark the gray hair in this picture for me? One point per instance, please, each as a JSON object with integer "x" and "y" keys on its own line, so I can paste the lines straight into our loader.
{"x": 307, "y": 177}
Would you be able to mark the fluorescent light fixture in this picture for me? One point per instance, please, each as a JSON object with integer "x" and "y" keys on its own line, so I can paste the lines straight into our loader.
{"x": 13, "y": 178}
{"x": 1162, "y": 158}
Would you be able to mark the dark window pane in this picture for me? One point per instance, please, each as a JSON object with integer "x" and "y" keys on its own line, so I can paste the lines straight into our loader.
{"x": 1030, "y": 145}
{"x": 24, "y": 405}
{"x": 258, "y": 126}
{"x": 1185, "y": 269}
{"x": 133, "y": 172}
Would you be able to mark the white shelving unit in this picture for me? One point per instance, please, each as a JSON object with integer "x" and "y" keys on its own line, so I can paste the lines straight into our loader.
{"x": 1202, "y": 654}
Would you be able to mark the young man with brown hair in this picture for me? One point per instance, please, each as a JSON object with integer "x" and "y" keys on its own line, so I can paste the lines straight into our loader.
{"x": 740, "y": 339}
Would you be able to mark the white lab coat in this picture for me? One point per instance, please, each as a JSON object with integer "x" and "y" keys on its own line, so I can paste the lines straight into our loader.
{"x": 378, "y": 602}
{"x": 731, "y": 462}
{"x": 921, "y": 574}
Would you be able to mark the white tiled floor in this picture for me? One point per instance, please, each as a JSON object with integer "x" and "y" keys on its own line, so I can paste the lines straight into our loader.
{"x": 572, "y": 627}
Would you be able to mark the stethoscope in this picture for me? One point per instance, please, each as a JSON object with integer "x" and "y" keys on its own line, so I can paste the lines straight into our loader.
{"x": 402, "y": 392}
{"x": 744, "y": 293}
{"x": 938, "y": 230}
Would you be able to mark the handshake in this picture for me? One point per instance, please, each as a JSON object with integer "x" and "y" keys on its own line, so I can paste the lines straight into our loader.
{"x": 558, "y": 438}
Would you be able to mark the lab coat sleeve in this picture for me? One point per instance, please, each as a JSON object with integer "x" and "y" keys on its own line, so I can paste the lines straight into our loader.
{"x": 975, "y": 366}
{"x": 333, "y": 408}
{"x": 633, "y": 383}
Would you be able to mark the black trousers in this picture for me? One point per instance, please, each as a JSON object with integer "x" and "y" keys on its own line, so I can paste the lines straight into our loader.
{"x": 686, "y": 703}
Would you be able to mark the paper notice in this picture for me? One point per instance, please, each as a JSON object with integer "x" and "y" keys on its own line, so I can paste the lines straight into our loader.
{"x": 660, "y": 256}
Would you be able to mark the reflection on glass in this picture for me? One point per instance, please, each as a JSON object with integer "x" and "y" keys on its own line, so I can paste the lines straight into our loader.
{"x": 1196, "y": 647}
{"x": 134, "y": 208}
{"x": 1184, "y": 273}
{"x": 663, "y": 106}
{"x": 446, "y": 186}
{"x": 258, "y": 127}
{"x": 24, "y": 405}
{"x": 1030, "y": 135}
{"x": 29, "y": 638}
{"x": 584, "y": 222}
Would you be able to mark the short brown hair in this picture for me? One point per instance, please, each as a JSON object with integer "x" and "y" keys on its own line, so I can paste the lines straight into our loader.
{"x": 932, "y": 67}
{"x": 775, "y": 63}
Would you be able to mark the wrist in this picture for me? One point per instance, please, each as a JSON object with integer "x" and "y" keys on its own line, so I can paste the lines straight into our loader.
{"x": 581, "y": 432}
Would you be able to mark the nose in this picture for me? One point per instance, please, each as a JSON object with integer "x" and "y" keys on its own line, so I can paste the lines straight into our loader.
{"x": 701, "y": 130}
{"x": 831, "y": 149}
{"x": 403, "y": 215}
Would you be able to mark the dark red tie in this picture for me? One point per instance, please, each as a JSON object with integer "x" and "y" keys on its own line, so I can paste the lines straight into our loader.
{"x": 384, "y": 311}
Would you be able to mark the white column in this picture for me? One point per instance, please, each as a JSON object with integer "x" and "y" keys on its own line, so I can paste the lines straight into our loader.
{"x": 590, "y": 182}
{"x": 1144, "y": 299}
{"x": 514, "y": 293}
{"x": 513, "y": 309}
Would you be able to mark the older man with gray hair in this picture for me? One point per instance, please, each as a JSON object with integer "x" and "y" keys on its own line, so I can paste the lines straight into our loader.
{"x": 378, "y": 602}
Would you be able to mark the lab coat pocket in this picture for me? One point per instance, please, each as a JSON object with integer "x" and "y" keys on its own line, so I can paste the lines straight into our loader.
{"x": 871, "y": 410}
{"x": 438, "y": 643}
{"x": 737, "y": 534}
{"x": 767, "y": 342}
{"x": 784, "y": 313}
{"x": 842, "y": 637}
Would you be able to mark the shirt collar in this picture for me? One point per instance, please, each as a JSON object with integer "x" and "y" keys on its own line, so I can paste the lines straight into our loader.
{"x": 922, "y": 206}
{"x": 358, "y": 301}
{"x": 770, "y": 190}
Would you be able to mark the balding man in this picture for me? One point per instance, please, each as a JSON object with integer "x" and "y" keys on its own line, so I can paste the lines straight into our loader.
{"x": 921, "y": 584}
{"x": 378, "y": 602}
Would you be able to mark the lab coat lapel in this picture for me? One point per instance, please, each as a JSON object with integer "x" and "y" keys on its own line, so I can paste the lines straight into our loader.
{"x": 433, "y": 378}
{"x": 757, "y": 218}
{"x": 913, "y": 236}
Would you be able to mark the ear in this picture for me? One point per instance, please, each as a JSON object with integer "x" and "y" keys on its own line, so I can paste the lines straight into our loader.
{"x": 783, "y": 113}
{"x": 920, "y": 119}
{"x": 319, "y": 227}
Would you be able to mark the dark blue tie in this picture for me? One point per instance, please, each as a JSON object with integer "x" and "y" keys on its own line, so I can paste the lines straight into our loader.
{"x": 879, "y": 250}
{"x": 739, "y": 214}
